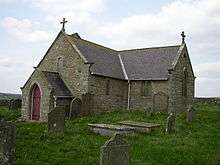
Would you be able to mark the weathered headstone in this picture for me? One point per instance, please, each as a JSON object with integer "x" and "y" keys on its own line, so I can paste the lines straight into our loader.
{"x": 115, "y": 152}
{"x": 75, "y": 108}
{"x": 190, "y": 113}
{"x": 14, "y": 104}
{"x": 160, "y": 102}
{"x": 56, "y": 120}
{"x": 7, "y": 142}
{"x": 170, "y": 126}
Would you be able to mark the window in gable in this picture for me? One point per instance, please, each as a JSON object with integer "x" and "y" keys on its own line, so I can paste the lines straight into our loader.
{"x": 146, "y": 88}
{"x": 59, "y": 64}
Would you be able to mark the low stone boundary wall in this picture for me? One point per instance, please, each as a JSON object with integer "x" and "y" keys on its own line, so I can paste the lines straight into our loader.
{"x": 215, "y": 100}
{"x": 4, "y": 102}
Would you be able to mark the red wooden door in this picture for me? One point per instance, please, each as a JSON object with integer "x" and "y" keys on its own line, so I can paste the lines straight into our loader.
{"x": 36, "y": 103}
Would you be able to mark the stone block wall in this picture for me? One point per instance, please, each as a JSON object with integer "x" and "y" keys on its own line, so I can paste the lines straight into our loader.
{"x": 177, "y": 101}
{"x": 139, "y": 102}
{"x": 117, "y": 98}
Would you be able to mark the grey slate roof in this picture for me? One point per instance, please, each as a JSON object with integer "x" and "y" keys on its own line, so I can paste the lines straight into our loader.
{"x": 57, "y": 84}
{"x": 149, "y": 63}
{"x": 106, "y": 61}
{"x": 139, "y": 64}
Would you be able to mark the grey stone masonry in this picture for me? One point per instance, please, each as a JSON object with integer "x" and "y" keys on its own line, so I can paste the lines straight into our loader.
{"x": 190, "y": 113}
{"x": 7, "y": 142}
{"x": 140, "y": 126}
{"x": 110, "y": 129}
{"x": 56, "y": 120}
{"x": 14, "y": 104}
{"x": 115, "y": 152}
{"x": 170, "y": 126}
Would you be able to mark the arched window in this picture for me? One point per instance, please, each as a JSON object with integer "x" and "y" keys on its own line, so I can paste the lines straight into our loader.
{"x": 107, "y": 87}
{"x": 59, "y": 64}
{"x": 184, "y": 82}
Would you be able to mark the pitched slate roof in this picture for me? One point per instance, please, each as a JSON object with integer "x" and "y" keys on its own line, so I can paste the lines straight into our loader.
{"x": 149, "y": 63}
{"x": 106, "y": 61}
{"x": 136, "y": 64}
{"x": 57, "y": 84}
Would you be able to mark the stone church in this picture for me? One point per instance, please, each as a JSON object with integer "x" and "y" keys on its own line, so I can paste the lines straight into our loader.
{"x": 85, "y": 77}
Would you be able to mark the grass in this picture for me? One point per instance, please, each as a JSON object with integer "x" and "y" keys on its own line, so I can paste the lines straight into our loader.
{"x": 195, "y": 143}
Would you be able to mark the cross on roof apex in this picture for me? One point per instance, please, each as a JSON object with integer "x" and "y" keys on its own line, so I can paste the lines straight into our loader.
{"x": 63, "y": 22}
{"x": 183, "y": 37}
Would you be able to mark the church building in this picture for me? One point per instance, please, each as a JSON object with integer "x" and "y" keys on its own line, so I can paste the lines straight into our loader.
{"x": 85, "y": 77}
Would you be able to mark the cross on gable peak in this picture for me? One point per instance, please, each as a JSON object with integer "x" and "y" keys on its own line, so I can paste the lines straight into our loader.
{"x": 63, "y": 23}
{"x": 183, "y": 37}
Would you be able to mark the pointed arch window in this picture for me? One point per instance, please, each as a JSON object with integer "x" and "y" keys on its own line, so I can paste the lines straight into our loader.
{"x": 184, "y": 82}
{"x": 107, "y": 87}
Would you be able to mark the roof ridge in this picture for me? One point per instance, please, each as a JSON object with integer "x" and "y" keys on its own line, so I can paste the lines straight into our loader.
{"x": 156, "y": 47}
{"x": 93, "y": 43}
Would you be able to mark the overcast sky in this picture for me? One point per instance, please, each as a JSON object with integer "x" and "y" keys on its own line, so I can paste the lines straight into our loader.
{"x": 28, "y": 27}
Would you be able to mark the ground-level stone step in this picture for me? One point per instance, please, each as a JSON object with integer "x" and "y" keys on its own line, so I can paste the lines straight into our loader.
{"x": 110, "y": 129}
{"x": 139, "y": 126}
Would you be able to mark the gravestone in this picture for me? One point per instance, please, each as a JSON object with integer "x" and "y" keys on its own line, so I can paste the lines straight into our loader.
{"x": 7, "y": 142}
{"x": 160, "y": 102}
{"x": 75, "y": 108}
{"x": 56, "y": 120}
{"x": 170, "y": 126}
{"x": 190, "y": 113}
{"x": 14, "y": 104}
{"x": 115, "y": 151}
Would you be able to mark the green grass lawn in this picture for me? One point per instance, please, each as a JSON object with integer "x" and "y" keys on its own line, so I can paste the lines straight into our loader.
{"x": 196, "y": 143}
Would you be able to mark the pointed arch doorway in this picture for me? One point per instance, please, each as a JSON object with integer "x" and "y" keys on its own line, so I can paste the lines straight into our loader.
{"x": 36, "y": 97}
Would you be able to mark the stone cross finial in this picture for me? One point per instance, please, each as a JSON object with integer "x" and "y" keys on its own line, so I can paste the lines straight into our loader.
{"x": 63, "y": 22}
{"x": 183, "y": 37}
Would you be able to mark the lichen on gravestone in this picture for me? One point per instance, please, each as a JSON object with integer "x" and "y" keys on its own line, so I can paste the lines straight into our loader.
{"x": 115, "y": 151}
{"x": 190, "y": 113}
{"x": 170, "y": 125}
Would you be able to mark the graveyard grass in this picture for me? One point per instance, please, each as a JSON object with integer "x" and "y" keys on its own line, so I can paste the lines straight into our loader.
{"x": 195, "y": 143}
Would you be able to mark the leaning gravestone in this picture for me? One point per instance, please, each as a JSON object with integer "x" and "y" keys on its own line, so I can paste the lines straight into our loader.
{"x": 115, "y": 152}
{"x": 56, "y": 120}
{"x": 190, "y": 113}
{"x": 7, "y": 142}
{"x": 14, "y": 104}
{"x": 170, "y": 126}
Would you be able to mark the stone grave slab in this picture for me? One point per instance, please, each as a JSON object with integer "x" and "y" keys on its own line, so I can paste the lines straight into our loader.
{"x": 140, "y": 126}
{"x": 7, "y": 142}
{"x": 110, "y": 129}
{"x": 56, "y": 120}
{"x": 115, "y": 151}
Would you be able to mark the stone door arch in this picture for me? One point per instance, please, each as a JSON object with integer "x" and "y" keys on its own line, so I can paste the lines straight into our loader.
{"x": 36, "y": 98}
{"x": 75, "y": 108}
{"x": 160, "y": 102}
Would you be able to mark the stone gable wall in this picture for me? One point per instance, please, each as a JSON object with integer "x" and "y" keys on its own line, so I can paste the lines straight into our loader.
{"x": 74, "y": 73}
{"x": 177, "y": 102}
{"x": 117, "y": 98}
